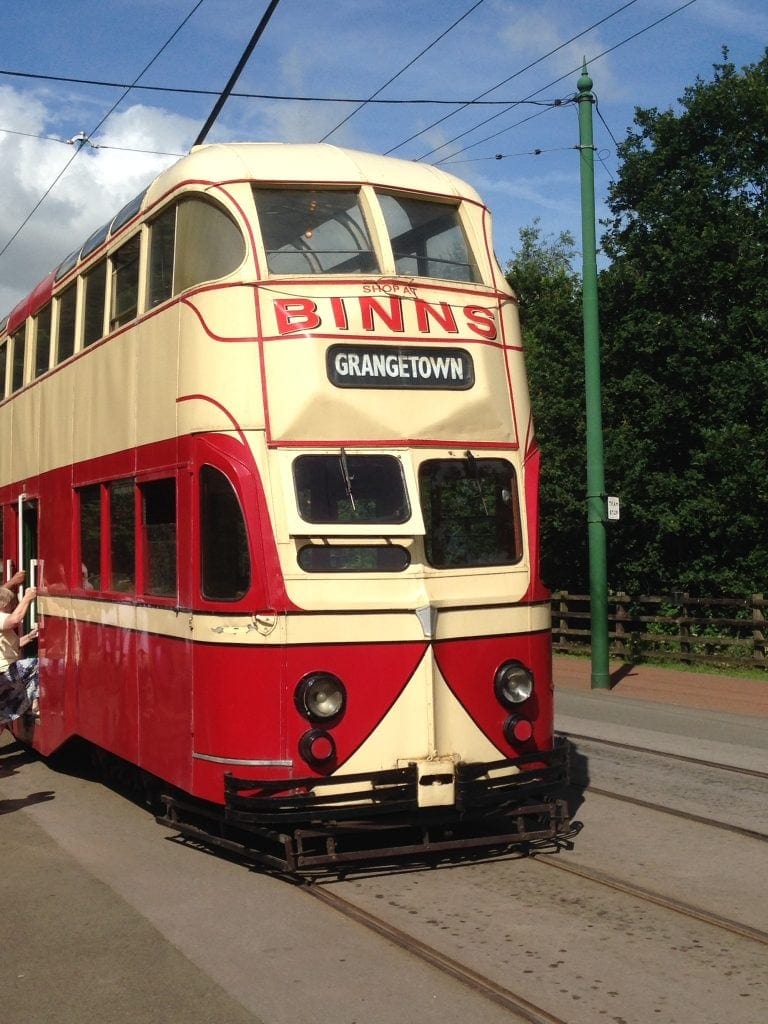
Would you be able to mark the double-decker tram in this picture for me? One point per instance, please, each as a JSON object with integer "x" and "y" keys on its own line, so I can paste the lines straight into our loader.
{"x": 270, "y": 462}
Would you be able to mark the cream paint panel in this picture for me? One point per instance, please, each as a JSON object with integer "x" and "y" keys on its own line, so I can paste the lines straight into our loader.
{"x": 403, "y": 734}
{"x": 104, "y": 409}
{"x": 56, "y": 430}
{"x": 23, "y": 438}
{"x": 226, "y": 372}
{"x": 343, "y": 414}
{"x": 157, "y": 368}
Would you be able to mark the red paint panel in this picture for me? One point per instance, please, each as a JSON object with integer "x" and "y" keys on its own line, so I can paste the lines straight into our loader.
{"x": 469, "y": 667}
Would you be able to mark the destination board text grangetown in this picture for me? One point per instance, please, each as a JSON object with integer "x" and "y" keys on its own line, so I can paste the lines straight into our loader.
{"x": 379, "y": 366}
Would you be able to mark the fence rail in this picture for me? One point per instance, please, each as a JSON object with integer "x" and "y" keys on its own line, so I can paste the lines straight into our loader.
{"x": 724, "y": 631}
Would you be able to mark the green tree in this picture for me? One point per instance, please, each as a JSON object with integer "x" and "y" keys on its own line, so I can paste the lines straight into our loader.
{"x": 549, "y": 291}
{"x": 684, "y": 319}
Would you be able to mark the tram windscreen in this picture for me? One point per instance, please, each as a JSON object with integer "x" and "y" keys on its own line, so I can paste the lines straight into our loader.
{"x": 350, "y": 489}
{"x": 471, "y": 513}
{"x": 314, "y": 232}
{"x": 427, "y": 239}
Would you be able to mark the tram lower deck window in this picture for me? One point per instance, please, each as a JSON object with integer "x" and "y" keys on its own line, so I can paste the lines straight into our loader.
{"x": 350, "y": 489}
{"x": 471, "y": 513}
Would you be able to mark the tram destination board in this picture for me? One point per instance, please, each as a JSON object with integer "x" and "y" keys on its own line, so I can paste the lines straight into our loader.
{"x": 384, "y": 366}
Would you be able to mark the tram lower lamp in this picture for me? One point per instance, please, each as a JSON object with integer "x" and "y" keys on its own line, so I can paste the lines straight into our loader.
{"x": 317, "y": 747}
{"x": 320, "y": 696}
{"x": 513, "y": 683}
{"x": 517, "y": 730}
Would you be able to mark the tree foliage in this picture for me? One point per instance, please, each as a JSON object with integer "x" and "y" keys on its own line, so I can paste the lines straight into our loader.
{"x": 549, "y": 292}
{"x": 684, "y": 332}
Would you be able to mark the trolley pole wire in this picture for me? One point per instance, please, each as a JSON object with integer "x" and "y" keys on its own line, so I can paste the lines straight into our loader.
{"x": 596, "y": 497}
{"x": 217, "y": 107}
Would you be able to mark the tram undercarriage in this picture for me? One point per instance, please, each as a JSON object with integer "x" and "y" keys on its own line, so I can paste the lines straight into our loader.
{"x": 312, "y": 826}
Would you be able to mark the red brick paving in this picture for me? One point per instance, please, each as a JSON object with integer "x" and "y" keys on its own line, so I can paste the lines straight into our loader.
{"x": 735, "y": 694}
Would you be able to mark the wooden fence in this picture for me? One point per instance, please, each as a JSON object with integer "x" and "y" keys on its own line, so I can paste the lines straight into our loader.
{"x": 723, "y": 631}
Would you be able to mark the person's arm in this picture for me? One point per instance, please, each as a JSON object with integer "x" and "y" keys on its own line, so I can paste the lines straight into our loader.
{"x": 15, "y": 618}
{"x": 16, "y": 580}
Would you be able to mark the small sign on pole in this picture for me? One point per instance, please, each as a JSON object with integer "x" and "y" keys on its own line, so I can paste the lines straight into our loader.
{"x": 614, "y": 511}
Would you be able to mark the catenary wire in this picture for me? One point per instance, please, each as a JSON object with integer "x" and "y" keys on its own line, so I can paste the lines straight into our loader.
{"x": 402, "y": 70}
{"x": 549, "y": 85}
{"x": 509, "y": 79}
{"x": 78, "y": 148}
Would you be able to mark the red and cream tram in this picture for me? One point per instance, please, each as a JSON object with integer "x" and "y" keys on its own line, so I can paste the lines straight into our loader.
{"x": 269, "y": 460}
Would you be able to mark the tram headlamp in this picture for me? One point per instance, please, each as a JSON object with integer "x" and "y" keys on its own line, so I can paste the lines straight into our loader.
{"x": 317, "y": 748}
{"x": 320, "y": 696}
{"x": 513, "y": 683}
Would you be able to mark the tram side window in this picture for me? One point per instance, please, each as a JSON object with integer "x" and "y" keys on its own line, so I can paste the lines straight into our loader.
{"x": 3, "y": 370}
{"x": 90, "y": 536}
{"x": 225, "y": 564}
{"x": 43, "y": 340}
{"x": 471, "y": 513}
{"x": 350, "y": 489}
{"x": 192, "y": 242}
{"x": 67, "y": 307}
{"x": 159, "y": 528}
{"x": 428, "y": 239}
{"x": 314, "y": 232}
{"x": 95, "y": 284}
{"x": 122, "y": 536}
{"x": 18, "y": 352}
{"x": 124, "y": 298}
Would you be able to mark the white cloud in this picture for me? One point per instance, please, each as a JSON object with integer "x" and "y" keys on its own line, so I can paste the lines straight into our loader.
{"x": 91, "y": 190}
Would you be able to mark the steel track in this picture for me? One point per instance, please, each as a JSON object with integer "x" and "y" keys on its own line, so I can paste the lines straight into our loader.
{"x": 665, "y": 753}
{"x": 668, "y": 902}
{"x": 504, "y": 997}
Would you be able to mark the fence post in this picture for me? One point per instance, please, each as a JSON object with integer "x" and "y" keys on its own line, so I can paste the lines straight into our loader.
{"x": 758, "y": 636}
{"x": 563, "y": 621}
{"x": 684, "y": 630}
{"x": 621, "y": 616}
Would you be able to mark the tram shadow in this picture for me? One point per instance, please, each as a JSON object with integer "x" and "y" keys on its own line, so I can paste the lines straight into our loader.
{"x": 574, "y": 791}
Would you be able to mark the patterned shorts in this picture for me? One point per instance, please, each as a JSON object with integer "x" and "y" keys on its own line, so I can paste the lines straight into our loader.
{"x": 18, "y": 688}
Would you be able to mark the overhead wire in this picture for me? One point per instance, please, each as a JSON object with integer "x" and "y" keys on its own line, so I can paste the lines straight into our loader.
{"x": 498, "y": 85}
{"x": 78, "y": 148}
{"x": 590, "y": 61}
{"x": 402, "y": 70}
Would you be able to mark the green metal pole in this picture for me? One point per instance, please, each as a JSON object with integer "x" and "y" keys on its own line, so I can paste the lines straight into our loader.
{"x": 596, "y": 503}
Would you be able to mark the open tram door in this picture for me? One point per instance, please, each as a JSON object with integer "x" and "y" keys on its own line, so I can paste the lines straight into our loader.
{"x": 26, "y": 550}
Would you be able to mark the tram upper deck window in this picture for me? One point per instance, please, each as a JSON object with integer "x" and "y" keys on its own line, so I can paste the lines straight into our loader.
{"x": 67, "y": 307}
{"x": 124, "y": 296}
{"x": 3, "y": 364}
{"x": 471, "y": 513}
{"x": 17, "y": 356}
{"x": 42, "y": 340}
{"x": 354, "y": 489}
{"x": 428, "y": 239}
{"x": 95, "y": 285}
{"x": 191, "y": 242}
{"x": 314, "y": 232}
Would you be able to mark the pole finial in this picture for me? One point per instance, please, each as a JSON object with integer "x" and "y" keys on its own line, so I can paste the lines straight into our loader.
{"x": 584, "y": 83}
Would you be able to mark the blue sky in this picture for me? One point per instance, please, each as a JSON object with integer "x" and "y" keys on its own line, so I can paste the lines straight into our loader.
{"x": 334, "y": 49}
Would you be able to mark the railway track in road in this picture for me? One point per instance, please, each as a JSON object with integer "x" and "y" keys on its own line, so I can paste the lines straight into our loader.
{"x": 509, "y": 1000}
{"x": 658, "y": 899}
{"x": 663, "y": 808}
{"x": 687, "y": 759}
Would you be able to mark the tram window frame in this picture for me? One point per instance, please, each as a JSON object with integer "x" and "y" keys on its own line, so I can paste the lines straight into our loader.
{"x": 3, "y": 366}
{"x": 192, "y": 242}
{"x": 225, "y": 561}
{"x": 158, "y": 549}
{"x": 43, "y": 339}
{"x": 90, "y": 534}
{"x": 94, "y": 299}
{"x": 122, "y": 536}
{"x": 18, "y": 358}
{"x": 468, "y": 535}
{"x": 125, "y": 264}
{"x": 66, "y": 328}
{"x": 289, "y": 224}
{"x": 411, "y": 251}
{"x": 324, "y": 481}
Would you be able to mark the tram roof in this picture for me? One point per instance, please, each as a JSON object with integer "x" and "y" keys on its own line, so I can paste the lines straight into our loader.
{"x": 274, "y": 163}
{"x": 312, "y": 163}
